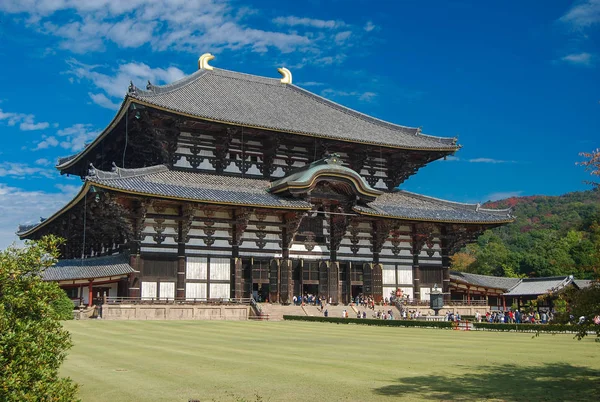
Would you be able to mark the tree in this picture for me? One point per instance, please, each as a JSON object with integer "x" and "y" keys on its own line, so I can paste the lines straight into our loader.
{"x": 462, "y": 260}
{"x": 33, "y": 343}
{"x": 583, "y": 306}
{"x": 592, "y": 164}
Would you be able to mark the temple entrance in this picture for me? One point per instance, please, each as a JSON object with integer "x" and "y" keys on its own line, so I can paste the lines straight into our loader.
{"x": 357, "y": 290}
{"x": 99, "y": 292}
{"x": 260, "y": 292}
{"x": 311, "y": 289}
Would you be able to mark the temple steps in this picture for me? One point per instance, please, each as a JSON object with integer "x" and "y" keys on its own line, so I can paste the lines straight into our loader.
{"x": 276, "y": 312}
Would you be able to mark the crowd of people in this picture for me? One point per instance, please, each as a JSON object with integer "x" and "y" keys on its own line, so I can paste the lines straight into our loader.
{"x": 368, "y": 302}
{"x": 515, "y": 317}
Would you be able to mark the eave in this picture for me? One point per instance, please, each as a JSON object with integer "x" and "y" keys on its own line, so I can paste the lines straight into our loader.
{"x": 129, "y": 100}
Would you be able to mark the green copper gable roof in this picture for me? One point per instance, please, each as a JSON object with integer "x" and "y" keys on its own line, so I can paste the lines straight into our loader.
{"x": 331, "y": 167}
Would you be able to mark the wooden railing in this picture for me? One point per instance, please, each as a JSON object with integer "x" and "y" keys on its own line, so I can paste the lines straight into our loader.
{"x": 156, "y": 300}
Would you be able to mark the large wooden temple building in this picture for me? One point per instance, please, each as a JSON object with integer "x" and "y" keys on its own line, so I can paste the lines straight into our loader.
{"x": 226, "y": 185}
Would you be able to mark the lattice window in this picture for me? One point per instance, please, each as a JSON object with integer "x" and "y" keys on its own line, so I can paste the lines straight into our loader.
{"x": 149, "y": 290}
{"x": 166, "y": 290}
{"x": 310, "y": 271}
{"x": 196, "y": 268}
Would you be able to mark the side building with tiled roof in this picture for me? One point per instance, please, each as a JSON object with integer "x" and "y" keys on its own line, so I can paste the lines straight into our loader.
{"x": 227, "y": 185}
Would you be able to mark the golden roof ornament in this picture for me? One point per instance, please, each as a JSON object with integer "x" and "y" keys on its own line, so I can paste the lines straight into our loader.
{"x": 287, "y": 75}
{"x": 203, "y": 61}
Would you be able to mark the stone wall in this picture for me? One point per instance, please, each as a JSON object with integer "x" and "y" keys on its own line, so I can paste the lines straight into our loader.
{"x": 173, "y": 312}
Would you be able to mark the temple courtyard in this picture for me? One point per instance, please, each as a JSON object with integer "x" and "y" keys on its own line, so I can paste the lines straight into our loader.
{"x": 297, "y": 361}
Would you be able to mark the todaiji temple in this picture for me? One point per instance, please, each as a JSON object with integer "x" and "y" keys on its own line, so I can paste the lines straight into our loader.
{"x": 226, "y": 185}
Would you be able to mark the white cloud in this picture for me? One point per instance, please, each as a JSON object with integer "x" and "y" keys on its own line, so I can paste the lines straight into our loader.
{"x": 43, "y": 162}
{"x": 580, "y": 59}
{"x": 160, "y": 24}
{"x": 367, "y": 96}
{"x": 77, "y": 136}
{"x": 583, "y": 15}
{"x": 489, "y": 160}
{"x": 22, "y": 170}
{"x": 73, "y": 138}
{"x": 341, "y": 37}
{"x": 115, "y": 85}
{"x": 311, "y": 84}
{"x": 26, "y": 121}
{"x": 29, "y": 126}
{"x": 101, "y": 100}
{"x": 369, "y": 26}
{"x": 46, "y": 143}
{"x": 362, "y": 96}
{"x": 18, "y": 206}
{"x": 502, "y": 195}
{"x": 308, "y": 22}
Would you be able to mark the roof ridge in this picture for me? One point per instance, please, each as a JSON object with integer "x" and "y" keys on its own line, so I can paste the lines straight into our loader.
{"x": 462, "y": 205}
{"x": 119, "y": 173}
{"x": 161, "y": 89}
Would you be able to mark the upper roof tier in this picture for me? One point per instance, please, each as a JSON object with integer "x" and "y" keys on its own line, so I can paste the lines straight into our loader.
{"x": 250, "y": 100}
{"x": 267, "y": 103}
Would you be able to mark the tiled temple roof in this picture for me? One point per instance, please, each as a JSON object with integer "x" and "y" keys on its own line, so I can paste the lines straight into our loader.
{"x": 582, "y": 283}
{"x": 485, "y": 281}
{"x": 539, "y": 286}
{"x": 252, "y": 101}
{"x": 195, "y": 186}
{"x": 162, "y": 182}
{"x": 249, "y": 100}
{"x": 407, "y": 205}
{"x": 89, "y": 268}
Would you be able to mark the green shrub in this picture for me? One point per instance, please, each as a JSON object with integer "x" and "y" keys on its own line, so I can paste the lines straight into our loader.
{"x": 33, "y": 343}
{"x": 525, "y": 327}
{"x": 63, "y": 307}
{"x": 379, "y": 323}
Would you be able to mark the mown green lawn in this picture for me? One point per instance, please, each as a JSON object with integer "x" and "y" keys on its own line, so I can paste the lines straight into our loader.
{"x": 297, "y": 361}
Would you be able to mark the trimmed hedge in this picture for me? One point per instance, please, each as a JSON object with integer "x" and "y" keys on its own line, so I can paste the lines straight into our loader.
{"x": 486, "y": 326}
{"x": 369, "y": 321}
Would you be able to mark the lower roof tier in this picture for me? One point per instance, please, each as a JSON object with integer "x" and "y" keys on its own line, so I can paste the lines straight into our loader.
{"x": 163, "y": 183}
{"x": 112, "y": 266}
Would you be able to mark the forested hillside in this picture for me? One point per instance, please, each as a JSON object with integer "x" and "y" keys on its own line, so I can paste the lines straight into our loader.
{"x": 557, "y": 235}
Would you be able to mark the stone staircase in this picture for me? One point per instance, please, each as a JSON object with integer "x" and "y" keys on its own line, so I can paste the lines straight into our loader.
{"x": 277, "y": 311}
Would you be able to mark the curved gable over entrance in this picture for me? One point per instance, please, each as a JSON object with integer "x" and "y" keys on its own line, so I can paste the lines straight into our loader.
{"x": 330, "y": 170}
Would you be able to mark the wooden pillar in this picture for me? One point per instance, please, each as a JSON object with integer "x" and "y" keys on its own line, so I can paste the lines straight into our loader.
{"x": 238, "y": 277}
{"x": 90, "y": 293}
{"x": 335, "y": 291}
{"x": 468, "y": 295}
{"x": 180, "y": 285}
{"x": 181, "y": 265}
{"x": 503, "y": 303}
{"x": 134, "y": 284}
{"x": 416, "y": 277}
{"x": 445, "y": 244}
{"x": 349, "y": 282}
{"x": 274, "y": 280}
{"x": 417, "y": 244}
{"x": 377, "y": 281}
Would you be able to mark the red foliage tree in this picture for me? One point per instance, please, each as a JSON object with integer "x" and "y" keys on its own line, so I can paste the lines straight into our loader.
{"x": 592, "y": 164}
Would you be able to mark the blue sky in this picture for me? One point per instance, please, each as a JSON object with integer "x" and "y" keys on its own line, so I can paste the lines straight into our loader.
{"x": 518, "y": 82}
